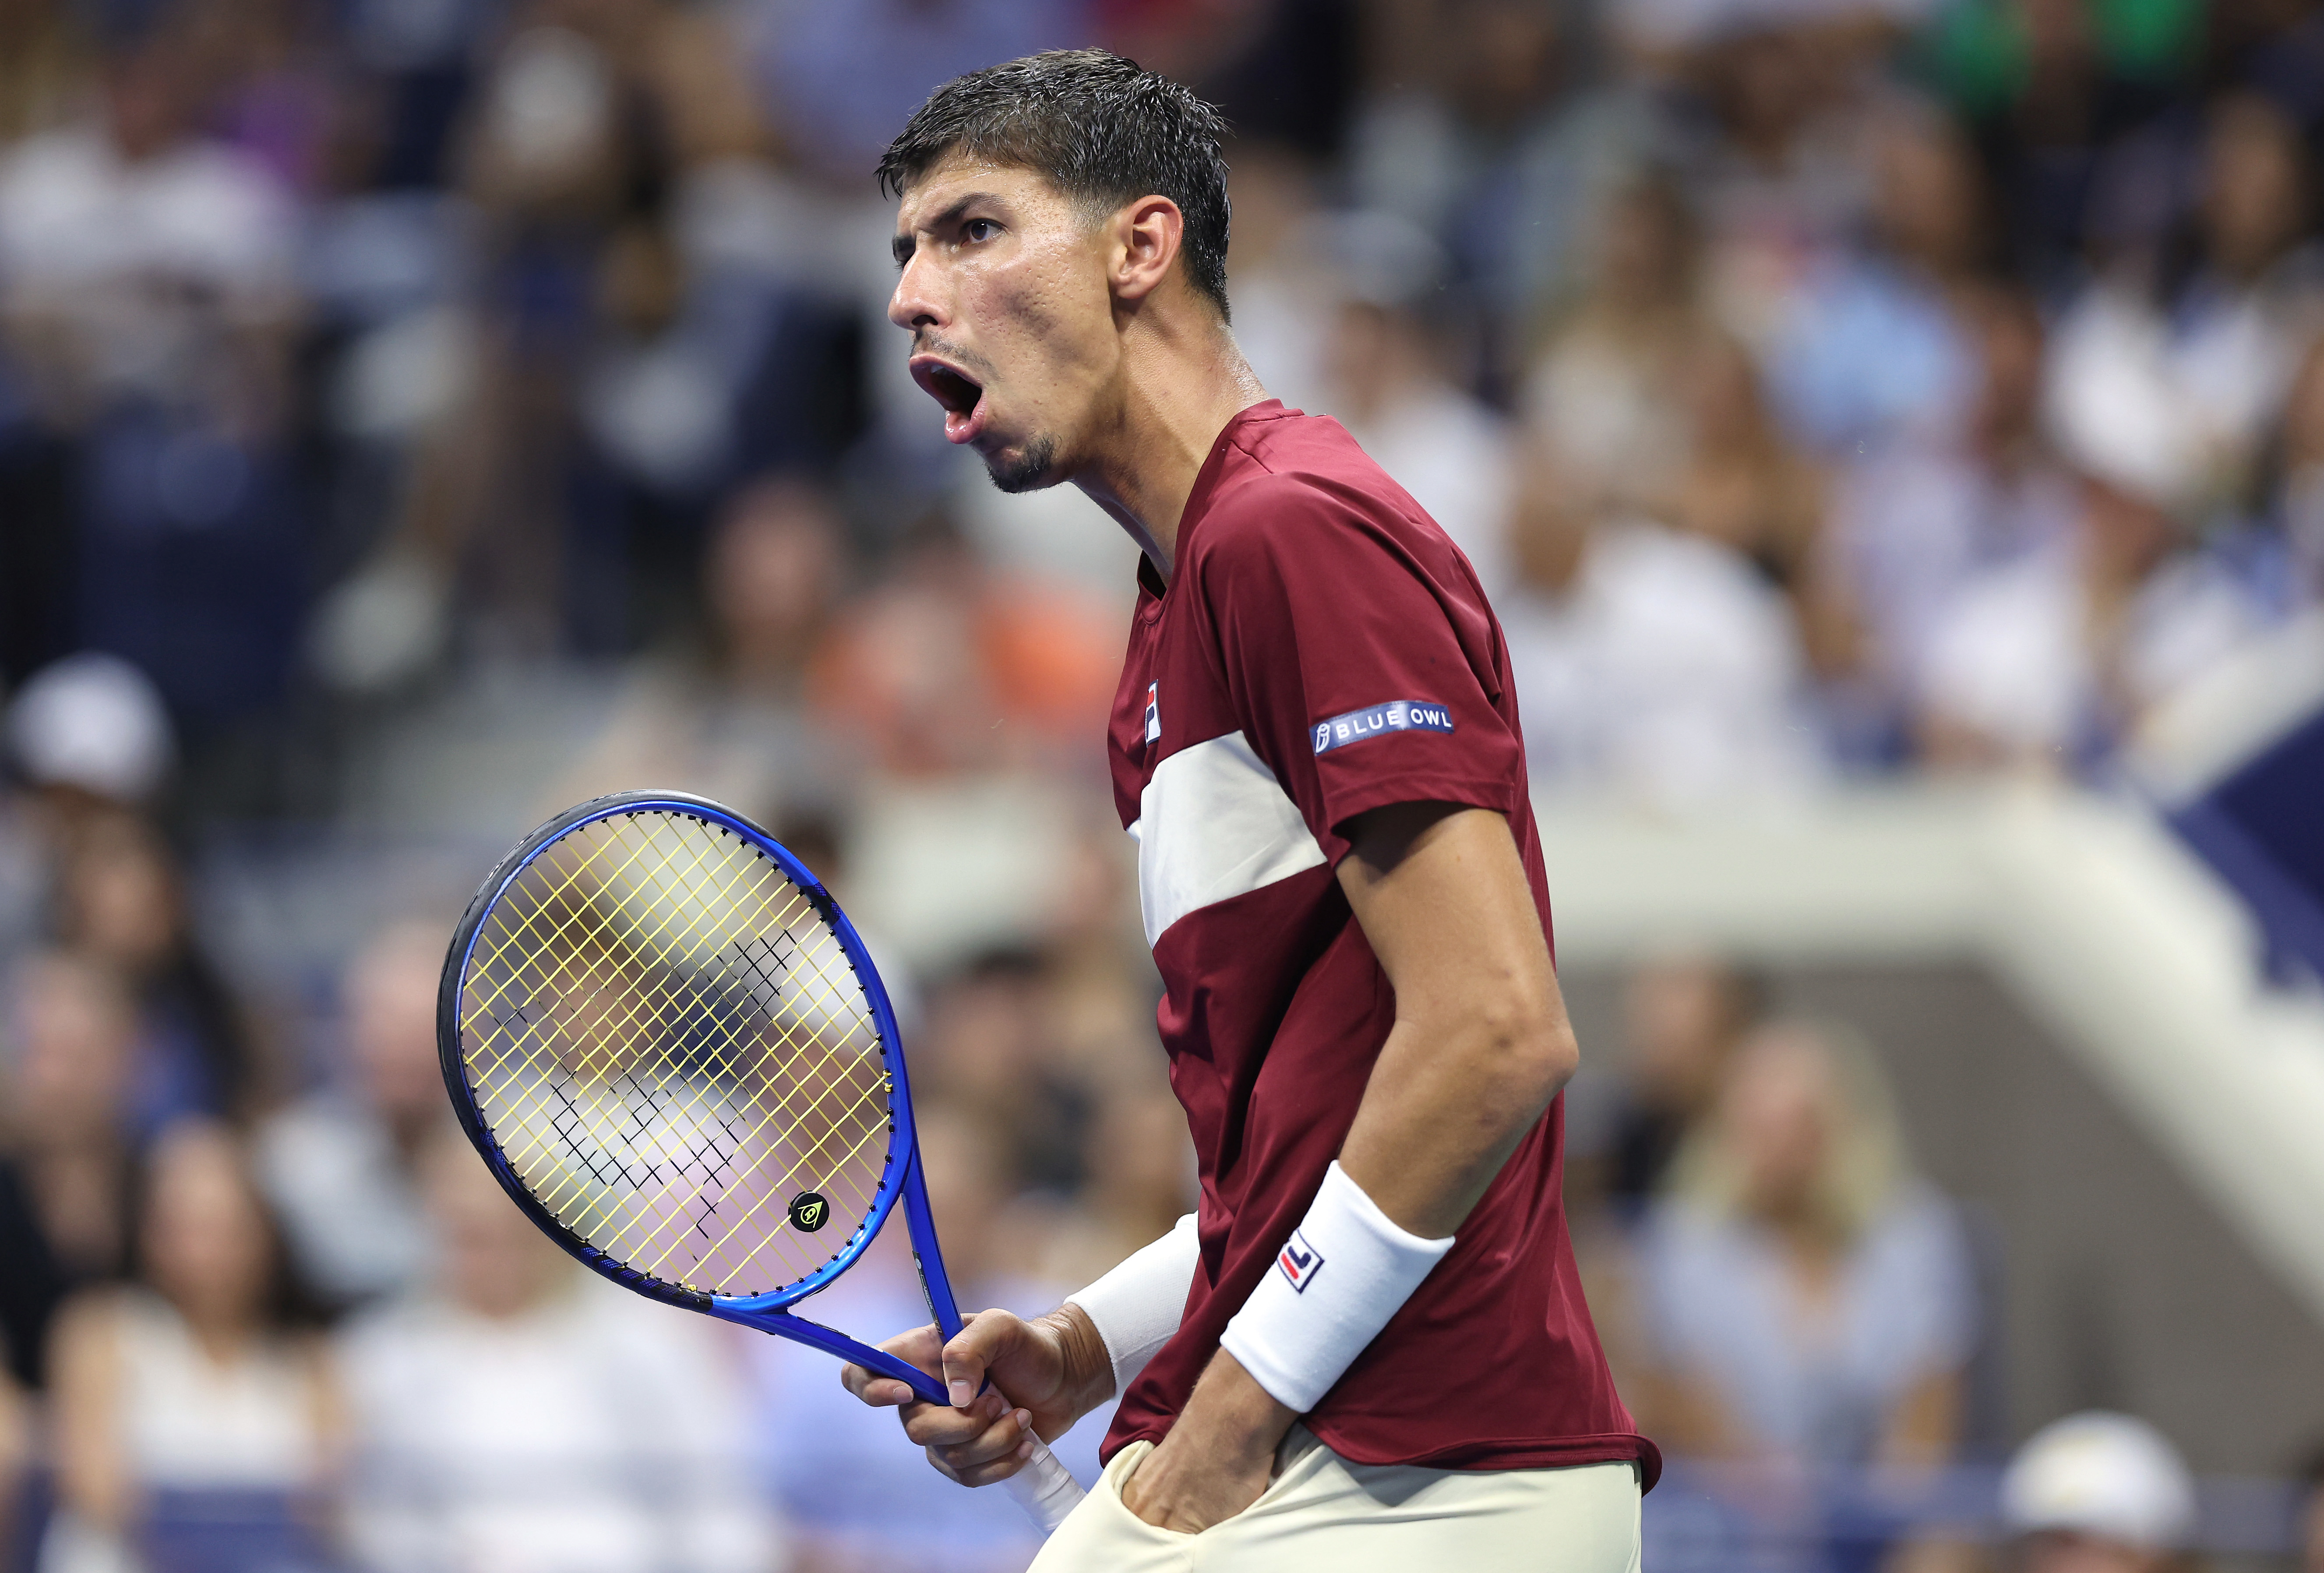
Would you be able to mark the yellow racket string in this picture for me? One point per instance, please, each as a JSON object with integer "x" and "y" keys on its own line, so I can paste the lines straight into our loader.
{"x": 665, "y": 1036}
{"x": 649, "y": 1004}
{"x": 659, "y": 1005}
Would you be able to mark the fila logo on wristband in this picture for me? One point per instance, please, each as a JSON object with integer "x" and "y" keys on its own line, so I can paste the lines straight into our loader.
{"x": 1300, "y": 1260}
{"x": 1396, "y": 715}
{"x": 1297, "y": 1336}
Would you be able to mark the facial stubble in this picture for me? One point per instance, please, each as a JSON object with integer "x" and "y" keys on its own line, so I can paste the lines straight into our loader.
{"x": 1028, "y": 471}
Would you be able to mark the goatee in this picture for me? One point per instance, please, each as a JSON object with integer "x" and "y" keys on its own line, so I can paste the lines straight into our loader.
{"x": 1028, "y": 471}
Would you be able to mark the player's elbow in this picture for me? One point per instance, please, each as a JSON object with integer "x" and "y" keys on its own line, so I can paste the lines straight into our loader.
{"x": 1522, "y": 1049}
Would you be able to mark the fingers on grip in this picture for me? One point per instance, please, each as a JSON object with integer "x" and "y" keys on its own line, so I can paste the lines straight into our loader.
{"x": 879, "y": 1391}
{"x": 983, "y": 1338}
{"x": 936, "y": 1425}
{"x": 997, "y": 1451}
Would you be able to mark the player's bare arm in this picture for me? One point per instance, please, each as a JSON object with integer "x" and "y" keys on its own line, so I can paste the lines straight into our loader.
{"x": 1481, "y": 1045}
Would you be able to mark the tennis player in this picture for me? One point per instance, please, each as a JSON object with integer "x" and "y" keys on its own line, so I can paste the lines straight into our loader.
{"x": 1369, "y": 1349}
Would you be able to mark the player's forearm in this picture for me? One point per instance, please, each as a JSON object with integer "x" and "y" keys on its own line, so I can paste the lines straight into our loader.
{"x": 1481, "y": 1042}
{"x": 1449, "y": 1100}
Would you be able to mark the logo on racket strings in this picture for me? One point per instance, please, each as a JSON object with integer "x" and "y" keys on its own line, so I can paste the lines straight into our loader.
{"x": 809, "y": 1211}
{"x": 1300, "y": 1260}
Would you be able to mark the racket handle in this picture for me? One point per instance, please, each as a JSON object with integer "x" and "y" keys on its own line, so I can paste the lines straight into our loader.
{"x": 1044, "y": 1488}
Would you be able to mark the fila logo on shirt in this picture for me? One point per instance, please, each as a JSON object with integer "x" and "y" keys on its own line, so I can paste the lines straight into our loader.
{"x": 1300, "y": 1260}
{"x": 1396, "y": 715}
{"x": 1154, "y": 712}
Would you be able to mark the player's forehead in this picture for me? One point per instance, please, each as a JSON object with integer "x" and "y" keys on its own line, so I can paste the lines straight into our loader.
{"x": 961, "y": 177}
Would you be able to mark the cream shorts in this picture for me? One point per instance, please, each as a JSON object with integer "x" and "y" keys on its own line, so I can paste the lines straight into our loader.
{"x": 1322, "y": 1511}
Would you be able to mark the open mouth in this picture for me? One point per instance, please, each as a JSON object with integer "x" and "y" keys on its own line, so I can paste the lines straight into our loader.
{"x": 962, "y": 397}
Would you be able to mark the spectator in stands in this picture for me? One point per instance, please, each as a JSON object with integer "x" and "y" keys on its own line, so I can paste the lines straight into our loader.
{"x": 860, "y": 1498}
{"x": 990, "y": 1051}
{"x": 1747, "y": 487}
{"x": 2046, "y": 661}
{"x": 1141, "y": 1182}
{"x": 121, "y": 899}
{"x": 1780, "y": 162}
{"x": 2217, "y": 352}
{"x": 1607, "y": 390}
{"x": 523, "y": 1415}
{"x": 66, "y": 1150}
{"x": 85, "y": 734}
{"x": 91, "y": 732}
{"x": 2063, "y": 112}
{"x": 140, "y": 257}
{"x": 195, "y": 1419}
{"x": 730, "y": 717}
{"x": 1916, "y": 520}
{"x": 2256, "y": 300}
{"x": 2098, "y": 1492}
{"x": 1389, "y": 363}
{"x": 1491, "y": 137}
{"x": 1650, "y": 662}
{"x": 1870, "y": 345}
{"x": 1282, "y": 321}
{"x": 1682, "y": 1016}
{"x": 948, "y": 666}
{"x": 341, "y": 1162}
{"x": 147, "y": 299}
{"x": 1808, "y": 1300}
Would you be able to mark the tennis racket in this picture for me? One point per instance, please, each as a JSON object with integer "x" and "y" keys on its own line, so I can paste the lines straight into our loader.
{"x": 672, "y": 1048}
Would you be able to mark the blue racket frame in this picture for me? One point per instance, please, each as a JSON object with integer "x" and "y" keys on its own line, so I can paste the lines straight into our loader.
{"x": 901, "y": 1177}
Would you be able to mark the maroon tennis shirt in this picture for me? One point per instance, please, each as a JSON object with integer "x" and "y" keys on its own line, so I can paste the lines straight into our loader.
{"x": 1324, "y": 649}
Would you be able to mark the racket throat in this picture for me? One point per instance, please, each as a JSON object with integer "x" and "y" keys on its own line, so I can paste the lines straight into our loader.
{"x": 784, "y": 1324}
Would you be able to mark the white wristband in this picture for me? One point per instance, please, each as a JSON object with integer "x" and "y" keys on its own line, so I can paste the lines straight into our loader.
{"x": 1344, "y": 1271}
{"x": 1138, "y": 1305}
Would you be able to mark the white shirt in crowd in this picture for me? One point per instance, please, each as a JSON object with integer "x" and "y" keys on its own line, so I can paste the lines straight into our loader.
{"x": 1452, "y": 453}
{"x": 193, "y": 1427}
{"x": 1913, "y": 525}
{"x": 1669, "y": 669}
{"x": 2013, "y": 658}
{"x": 598, "y": 1434}
{"x": 352, "y": 1213}
{"x": 116, "y": 245}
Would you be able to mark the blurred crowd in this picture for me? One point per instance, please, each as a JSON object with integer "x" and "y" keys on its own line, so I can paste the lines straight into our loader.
{"x": 1820, "y": 388}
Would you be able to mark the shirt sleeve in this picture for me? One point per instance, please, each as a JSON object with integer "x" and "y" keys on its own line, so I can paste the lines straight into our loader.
{"x": 1359, "y": 657}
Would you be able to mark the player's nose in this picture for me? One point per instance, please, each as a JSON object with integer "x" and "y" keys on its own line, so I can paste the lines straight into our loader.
{"x": 915, "y": 305}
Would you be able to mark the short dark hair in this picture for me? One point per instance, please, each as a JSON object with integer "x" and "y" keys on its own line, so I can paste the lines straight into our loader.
{"x": 1103, "y": 131}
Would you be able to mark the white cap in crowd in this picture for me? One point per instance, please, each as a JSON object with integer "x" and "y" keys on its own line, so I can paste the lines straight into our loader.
{"x": 2101, "y": 1474}
{"x": 94, "y": 721}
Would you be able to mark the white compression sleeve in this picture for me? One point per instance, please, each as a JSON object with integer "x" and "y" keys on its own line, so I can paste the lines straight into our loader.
{"x": 1136, "y": 1307}
{"x": 1333, "y": 1284}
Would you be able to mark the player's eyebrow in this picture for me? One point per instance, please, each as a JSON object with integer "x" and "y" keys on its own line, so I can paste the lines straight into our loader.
{"x": 901, "y": 246}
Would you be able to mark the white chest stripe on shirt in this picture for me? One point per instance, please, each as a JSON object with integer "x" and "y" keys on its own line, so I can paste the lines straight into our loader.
{"x": 1213, "y": 823}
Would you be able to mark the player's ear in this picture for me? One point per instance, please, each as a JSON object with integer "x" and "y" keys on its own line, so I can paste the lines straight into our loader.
{"x": 1146, "y": 235}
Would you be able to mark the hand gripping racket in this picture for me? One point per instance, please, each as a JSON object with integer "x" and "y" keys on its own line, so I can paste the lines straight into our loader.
{"x": 671, "y": 1046}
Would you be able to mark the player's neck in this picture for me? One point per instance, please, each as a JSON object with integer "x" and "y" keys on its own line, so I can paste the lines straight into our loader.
{"x": 1181, "y": 383}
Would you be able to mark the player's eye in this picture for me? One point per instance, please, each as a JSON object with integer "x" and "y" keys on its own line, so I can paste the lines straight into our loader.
{"x": 979, "y": 230}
